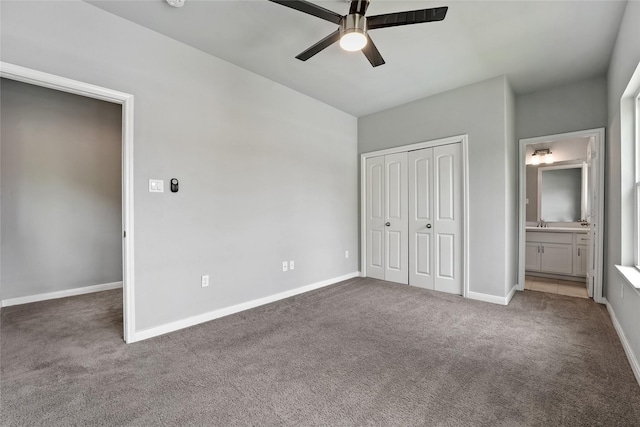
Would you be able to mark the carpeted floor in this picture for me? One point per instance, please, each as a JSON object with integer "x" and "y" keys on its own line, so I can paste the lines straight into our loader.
{"x": 362, "y": 352}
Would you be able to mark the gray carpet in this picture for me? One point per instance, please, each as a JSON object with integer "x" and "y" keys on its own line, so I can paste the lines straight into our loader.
{"x": 362, "y": 352}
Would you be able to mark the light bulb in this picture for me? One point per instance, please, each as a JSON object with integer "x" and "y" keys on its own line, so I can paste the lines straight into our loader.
{"x": 548, "y": 158}
{"x": 535, "y": 159}
{"x": 353, "y": 41}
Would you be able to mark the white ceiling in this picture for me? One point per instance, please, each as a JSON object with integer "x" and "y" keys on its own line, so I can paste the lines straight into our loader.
{"x": 537, "y": 44}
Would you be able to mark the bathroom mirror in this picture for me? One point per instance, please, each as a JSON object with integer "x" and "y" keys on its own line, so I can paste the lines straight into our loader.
{"x": 562, "y": 193}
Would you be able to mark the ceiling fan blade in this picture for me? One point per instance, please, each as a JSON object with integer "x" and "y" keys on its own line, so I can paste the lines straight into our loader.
{"x": 358, "y": 6}
{"x": 406, "y": 18}
{"x": 372, "y": 53}
{"x": 311, "y": 9}
{"x": 320, "y": 46}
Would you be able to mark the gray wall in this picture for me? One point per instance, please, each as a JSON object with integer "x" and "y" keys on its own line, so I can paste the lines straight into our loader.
{"x": 572, "y": 107}
{"x": 479, "y": 110}
{"x": 619, "y": 180}
{"x": 61, "y": 190}
{"x": 266, "y": 173}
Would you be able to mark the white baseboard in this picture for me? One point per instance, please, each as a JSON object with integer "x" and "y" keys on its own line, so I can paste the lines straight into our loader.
{"x": 61, "y": 294}
{"x": 633, "y": 360}
{"x": 492, "y": 298}
{"x": 216, "y": 314}
{"x": 511, "y": 293}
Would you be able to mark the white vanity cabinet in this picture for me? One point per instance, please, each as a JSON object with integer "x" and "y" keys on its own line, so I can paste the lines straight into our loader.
{"x": 532, "y": 256}
{"x": 581, "y": 254}
{"x": 556, "y": 253}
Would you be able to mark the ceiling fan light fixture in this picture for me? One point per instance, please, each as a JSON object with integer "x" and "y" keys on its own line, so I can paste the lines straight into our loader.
{"x": 353, "y": 28}
{"x": 353, "y": 41}
{"x": 353, "y": 32}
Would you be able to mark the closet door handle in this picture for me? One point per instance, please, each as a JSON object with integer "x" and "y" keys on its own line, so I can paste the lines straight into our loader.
{"x": 538, "y": 249}
{"x": 428, "y": 225}
{"x": 388, "y": 224}
{"x": 578, "y": 251}
{"x": 543, "y": 249}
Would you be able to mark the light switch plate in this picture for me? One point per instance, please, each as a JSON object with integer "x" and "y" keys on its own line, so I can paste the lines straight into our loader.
{"x": 292, "y": 265}
{"x": 156, "y": 186}
{"x": 285, "y": 266}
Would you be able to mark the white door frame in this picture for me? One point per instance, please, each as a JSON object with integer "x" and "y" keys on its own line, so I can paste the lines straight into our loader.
{"x": 51, "y": 81}
{"x": 598, "y": 138}
{"x": 462, "y": 139}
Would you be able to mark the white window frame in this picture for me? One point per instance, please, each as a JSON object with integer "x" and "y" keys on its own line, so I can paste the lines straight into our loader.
{"x": 636, "y": 147}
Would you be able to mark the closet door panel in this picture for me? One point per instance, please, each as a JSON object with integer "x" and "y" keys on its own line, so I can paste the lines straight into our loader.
{"x": 375, "y": 217}
{"x": 448, "y": 217}
{"x": 396, "y": 225}
{"x": 421, "y": 218}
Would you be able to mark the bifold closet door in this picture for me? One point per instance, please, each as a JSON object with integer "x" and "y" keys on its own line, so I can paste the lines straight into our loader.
{"x": 397, "y": 224}
{"x": 386, "y": 218}
{"x": 421, "y": 271}
{"x": 435, "y": 218}
{"x": 375, "y": 217}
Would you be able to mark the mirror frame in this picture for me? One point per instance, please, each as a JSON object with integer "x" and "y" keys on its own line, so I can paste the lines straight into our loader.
{"x": 583, "y": 188}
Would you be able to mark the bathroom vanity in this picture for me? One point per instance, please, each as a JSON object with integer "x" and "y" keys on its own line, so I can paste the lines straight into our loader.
{"x": 557, "y": 251}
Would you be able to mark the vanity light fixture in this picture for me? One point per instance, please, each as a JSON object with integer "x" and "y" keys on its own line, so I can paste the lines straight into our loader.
{"x": 535, "y": 158}
{"x": 537, "y": 155}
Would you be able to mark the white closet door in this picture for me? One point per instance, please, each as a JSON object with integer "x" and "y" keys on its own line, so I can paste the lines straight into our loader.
{"x": 448, "y": 217}
{"x": 375, "y": 210}
{"x": 397, "y": 224}
{"x": 421, "y": 257}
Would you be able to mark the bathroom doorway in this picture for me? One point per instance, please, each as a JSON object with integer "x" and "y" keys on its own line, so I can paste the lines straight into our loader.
{"x": 561, "y": 211}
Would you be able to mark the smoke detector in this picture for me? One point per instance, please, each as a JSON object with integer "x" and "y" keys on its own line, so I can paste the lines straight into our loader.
{"x": 176, "y": 3}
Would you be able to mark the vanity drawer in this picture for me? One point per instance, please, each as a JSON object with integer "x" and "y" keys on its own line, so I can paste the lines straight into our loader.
{"x": 582, "y": 239}
{"x": 549, "y": 237}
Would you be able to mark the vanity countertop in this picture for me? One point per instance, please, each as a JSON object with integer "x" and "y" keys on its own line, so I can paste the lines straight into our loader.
{"x": 559, "y": 229}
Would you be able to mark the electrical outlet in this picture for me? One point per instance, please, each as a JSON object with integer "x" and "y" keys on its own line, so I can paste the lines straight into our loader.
{"x": 204, "y": 281}
{"x": 291, "y": 265}
{"x": 346, "y": 254}
{"x": 285, "y": 266}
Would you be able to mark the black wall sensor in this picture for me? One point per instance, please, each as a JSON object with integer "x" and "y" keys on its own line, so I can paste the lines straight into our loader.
{"x": 174, "y": 185}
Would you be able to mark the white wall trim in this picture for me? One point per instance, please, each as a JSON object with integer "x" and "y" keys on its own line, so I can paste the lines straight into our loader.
{"x": 216, "y": 314}
{"x": 51, "y": 81}
{"x": 492, "y": 298}
{"x": 599, "y": 137}
{"x": 633, "y": 360}
{"x": 61, "y": 294}
{"x": 464, "y": 140}
{"x": 511, "y": 293}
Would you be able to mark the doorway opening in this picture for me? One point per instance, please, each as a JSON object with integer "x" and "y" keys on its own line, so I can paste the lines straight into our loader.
{"x": 57, "y": 83}
{"x": 561, "y": 207}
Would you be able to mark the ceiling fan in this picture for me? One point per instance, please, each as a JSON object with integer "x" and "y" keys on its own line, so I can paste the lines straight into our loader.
{"x": 353, "y": 27}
